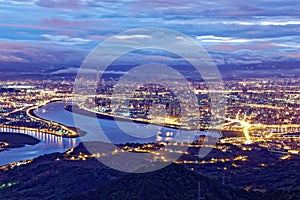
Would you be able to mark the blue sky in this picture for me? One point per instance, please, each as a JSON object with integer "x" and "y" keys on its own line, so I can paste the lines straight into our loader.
{"x": 62, "y": 32}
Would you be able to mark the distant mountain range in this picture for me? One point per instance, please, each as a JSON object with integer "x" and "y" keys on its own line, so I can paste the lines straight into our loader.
{"x": 266, "y": 69}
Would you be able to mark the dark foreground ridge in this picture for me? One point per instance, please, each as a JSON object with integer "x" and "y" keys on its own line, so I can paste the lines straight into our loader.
{"x": 15, "y": 140}
{"x": 57, "y": 176}
{"x": 172, "y": 182}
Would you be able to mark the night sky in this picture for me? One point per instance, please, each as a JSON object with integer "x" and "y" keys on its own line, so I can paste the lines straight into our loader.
{"x": 63, "y": 32}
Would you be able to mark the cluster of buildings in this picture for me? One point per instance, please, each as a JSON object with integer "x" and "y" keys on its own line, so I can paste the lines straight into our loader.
{"x": 264, "y": 111}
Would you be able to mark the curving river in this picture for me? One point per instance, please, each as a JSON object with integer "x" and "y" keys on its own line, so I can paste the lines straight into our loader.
{"x": 112, "y": 131}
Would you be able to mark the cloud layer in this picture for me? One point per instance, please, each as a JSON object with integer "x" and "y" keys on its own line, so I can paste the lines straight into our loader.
{"x": 64, "y": 31}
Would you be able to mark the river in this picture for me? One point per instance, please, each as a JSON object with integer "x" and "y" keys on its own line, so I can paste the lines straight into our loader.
{"x": 112, "y": 131}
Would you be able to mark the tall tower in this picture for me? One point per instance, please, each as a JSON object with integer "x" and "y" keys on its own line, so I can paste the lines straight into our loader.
{"x": 97, "y": 74}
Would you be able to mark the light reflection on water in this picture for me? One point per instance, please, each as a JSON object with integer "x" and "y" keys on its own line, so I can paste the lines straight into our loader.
{"x": 50, "y": 143}
{"x": 55, "y": 111}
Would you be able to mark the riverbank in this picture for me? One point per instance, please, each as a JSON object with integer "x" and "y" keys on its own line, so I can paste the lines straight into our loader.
{"x": 72, "y": 131}
{"x": 76, "y": 109}
{"x": 16, "y": 140}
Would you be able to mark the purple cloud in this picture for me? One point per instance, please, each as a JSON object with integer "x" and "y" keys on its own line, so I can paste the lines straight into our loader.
{"x": 65, "y": 30}
{"x": 64, "y": 4}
